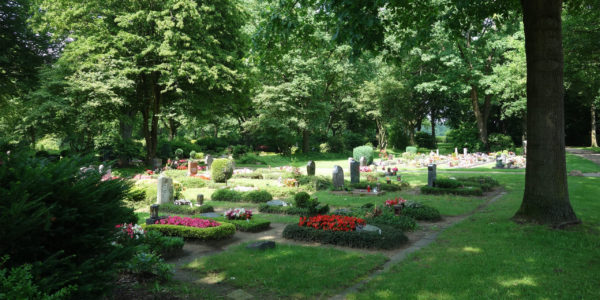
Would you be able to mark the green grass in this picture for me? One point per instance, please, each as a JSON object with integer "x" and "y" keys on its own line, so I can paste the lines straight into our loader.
{"x": 276, "y": 218}
{"x": 575, "y": 162}
{"x": 288, "y": 271}
{"x": 490, "y": 257}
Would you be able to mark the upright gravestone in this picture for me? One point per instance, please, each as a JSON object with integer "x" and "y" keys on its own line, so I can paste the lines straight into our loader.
{"x": 338, "y": 177}
{"x": 192, "y": 168}
{"x": 363, "y": 161}
{"x": 524, "y": 148}
{"x": 208, "y": 160}
{"x": 354, "y": 171}
{"x": 310, "y": 168}
{"x": 156, "y": 163}
{"x": 164, "y": 190}
{"x": 456, "y": 151}
{"x": 465, "y": 151}
{"x": 499, "y": 162}
{"x": 431, "y": 174}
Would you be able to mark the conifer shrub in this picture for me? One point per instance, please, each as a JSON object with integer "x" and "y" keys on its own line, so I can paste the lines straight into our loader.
{"x": 366, "y": 151}
{"x": 221, "y": 169}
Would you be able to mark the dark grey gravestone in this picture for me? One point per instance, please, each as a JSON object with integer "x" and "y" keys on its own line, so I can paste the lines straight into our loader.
{"x": 354, "y": 171}
{"x": 431, "y": 174}
{"x": 337, "y": 177}
{"x": 310, "y": 168}
{"x": 261, "y": 245}
{"x": 499, "y": 162}
{"x": 363, "y": 161}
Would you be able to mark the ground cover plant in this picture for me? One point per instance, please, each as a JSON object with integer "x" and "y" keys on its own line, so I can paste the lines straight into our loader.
{"x": 288, "y": 271}
{"x": 193, "y": 228}
{"x": 255, "y": 224}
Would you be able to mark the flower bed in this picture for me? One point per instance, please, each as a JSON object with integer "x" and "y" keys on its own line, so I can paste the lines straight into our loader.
{"x": 332, "y": 222}
{"x": 388, "y": 239}
{"x": 189, "y": 222}
{"x": 255, "y": 224}
{"x": 392, "y": 202}
{"x": 222, "y": 231}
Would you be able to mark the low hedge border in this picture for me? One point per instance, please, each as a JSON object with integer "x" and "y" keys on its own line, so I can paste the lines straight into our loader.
{"x": 185, "y": 209}
{"x": 223, "y": 231}
{"x": 253, "y": 225}
{"x": 287, "y": 210}
{"x": 474, "y": 191}
{"x": 259, "y": 196}
{"x": 384, "y": 186}
{"x": 388, "y": 239}
{"x": 422, "y": 213}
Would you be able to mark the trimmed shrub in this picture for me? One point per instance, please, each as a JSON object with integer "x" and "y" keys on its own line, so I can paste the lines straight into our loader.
{"x": 62, "y": 223}
{"x": 193, "y": 154}
{"x": 226, "y": 195}
{"x": 388, "y": 239}
{"x": 401, "y": 222}
{"x": 411, "y": 149}
{"x": 366, "y": 151}
{"x": 422, "y": 212}
{"x": 393, "y": 187}
{"x": 185, "y": 209}
{"x": 424, "y": 140}
{"x": 253, "y": 175}
{"x": 448, "y": 183}
{"x": 468, "y": 191}
{"x": 255, "y": 224}
{"x": 223, "y": 231}
{"x": 221, "y": 169}
{"x": 145, "y": 265}
{"x": 259, "y": 196}
{"x": 302, "y": 199}
{"x": 179, "y": 153}
{"x": 136, "y": 194}
{"x": 165, "y": 246}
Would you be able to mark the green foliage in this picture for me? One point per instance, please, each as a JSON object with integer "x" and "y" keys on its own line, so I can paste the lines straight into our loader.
{"x": 424, "y": 140}
{"x": 17, "y": 283}
{"x": 259, "y": 196}
{"x": 165, "y": 246}
{"x": 392, "y": 187}
{"x": 146, "y": 265}
{"x": 136, "y": 194}
{"x": 185, "y": 209}
{"x": 410, "y": 149}
{"x": 402, "y": 222}
{"x": 422, "y": 212}
{"x": 447, "y": 183}
{"x": 239, "y": 150}
{"x": 302, "y": 199}
{"x": 193, "y": 154}
{"x": 211, "y": 144}
{"x": 250, "y": 159}
{"x": 398, "y": 139}
{"x": 466, "y": 136}
{"x": 288, "y": 210}
{"x": 252, "y": 175}
{"x": 226, "y": 195}
{"x": 255, "y": 224}
{"x": 486, "y": 183}
{"x": 60, "y": 219}
{"x": 366, "y": 151}
{"x": 467, "y": 191}
{"x": 179, "y": 153}
{"x": 223, "y": 231}
{"x": 221, "y": 169}
{"x": 388, "y": 239}
{"x": 500, "y": 142}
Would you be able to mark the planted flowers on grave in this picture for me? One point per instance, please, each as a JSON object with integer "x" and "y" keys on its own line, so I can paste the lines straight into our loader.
{"x": 189, "y": 222}
{"x": 332, "y": 222}
{"x": 238, "y": 214}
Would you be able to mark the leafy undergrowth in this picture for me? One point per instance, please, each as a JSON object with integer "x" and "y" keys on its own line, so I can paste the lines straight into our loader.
{"x": 289, "y": 271}
{"x": 490, "y": 257}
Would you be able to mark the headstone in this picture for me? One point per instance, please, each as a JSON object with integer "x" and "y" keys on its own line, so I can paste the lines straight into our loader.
{"x": 208, "y": 160}
{"x": 456, "y": 151}
{"x": 363, "y": 161}
{"x": 277, "y": 203}
{"x": 354, "y": 171}
{"x": 164, "y": 190}
{"x": 156, "y": 163}
{"x": 499, "y": 163}
{"x": 153, "y": 215}
{"x": 263, "y": 245}
{"x": 310, "y": 168}
{"x": 431, "y": 174}
{"x": 337, "y": 177}
{"x": 465, "y": 151}
{"x": 192, "y": 167}
{"x": 200, "y": 199}
{"x": 368, "y": 228}
{"x": 437, "y": 152}
{"x": 101, "y": 169}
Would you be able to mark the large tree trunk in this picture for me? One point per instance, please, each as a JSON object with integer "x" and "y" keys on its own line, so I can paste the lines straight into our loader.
{"x": 546, "y": 198}
{"x": 593, "y": 131}
{"x": 433, "y": 117}
{"x": 305, "y": 141}
{"x": 126, "y": 131}
{"x": 481, "y": 116}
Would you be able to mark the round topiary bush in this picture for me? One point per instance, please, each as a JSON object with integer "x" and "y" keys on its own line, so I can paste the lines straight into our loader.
{"x": 192, "y": 154}
{"x": 302, "y": 199}
{"x": 366, "y": 151}
{"x": 178, "y": 152}
{"x": 257, "y": 196}
{"x": 221, "y": 169}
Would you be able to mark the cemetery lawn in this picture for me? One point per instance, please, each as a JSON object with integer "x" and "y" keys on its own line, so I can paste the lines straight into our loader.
{"x": 487, "y": 256}
{"x": 575, "y": 162}
{"x": 288, "y": 271}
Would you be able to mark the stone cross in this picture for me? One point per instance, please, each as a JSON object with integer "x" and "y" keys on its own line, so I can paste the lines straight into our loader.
{"x": 192, "y": 167}
{"x": 354, "y": 171}
{"x": 363, "y": 161}
{"x": 431, "y": 174}
{"x": 208, "y": 160}
{"x": 310, "y": 168}
{"x": 164, "y": 190}
{"x": 338, "y": 177}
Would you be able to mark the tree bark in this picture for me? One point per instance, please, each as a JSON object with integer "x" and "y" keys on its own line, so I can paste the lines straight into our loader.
{"x": 433, "y": 117}
{"x": 126, "y": 131}
{"x": 546, "y": 197}
{"x": 305, "y": 141}
{"x": 481, "y": 116}
{"x": 593, "y": 131}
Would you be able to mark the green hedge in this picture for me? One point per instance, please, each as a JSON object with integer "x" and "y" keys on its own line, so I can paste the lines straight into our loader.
{"x": 165, "y": 246}
{"x": 422, "y": 212}
{"x": 224, "y": 231}
{"x": 288, "y": 210}
{"x": 473, "y": 191}
{"x": 388, "y": 239}
{"x": 185, "y": 209}
{"x": 255, "y": 224}
{"x": 411, "y": 149}
{"x": 448, "y": 183}
{"x": 401, "y": 222}
{"x": 259, "y": 196}
{"x": 253, "y": 175}
{"x": 221, "y": 169}
{"x": 366, "y": 151}
{"x": 393, "y": 187}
